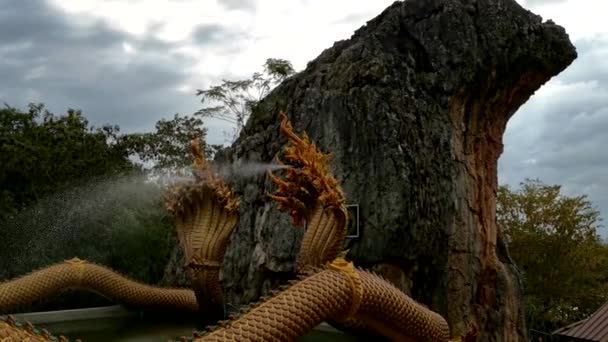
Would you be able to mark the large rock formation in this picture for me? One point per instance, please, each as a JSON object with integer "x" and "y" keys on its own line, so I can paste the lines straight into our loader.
{"x": 413, "y": 107}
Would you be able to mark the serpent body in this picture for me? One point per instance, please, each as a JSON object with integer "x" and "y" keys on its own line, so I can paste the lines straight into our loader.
{"x": 76, "y": 273}
{"x": 205, "y": 214}
{"x": 331, "y": 294}
{"x": 328, "y": 294}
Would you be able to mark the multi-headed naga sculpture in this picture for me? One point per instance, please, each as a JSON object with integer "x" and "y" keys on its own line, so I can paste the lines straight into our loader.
{"x": 329, "y": 288}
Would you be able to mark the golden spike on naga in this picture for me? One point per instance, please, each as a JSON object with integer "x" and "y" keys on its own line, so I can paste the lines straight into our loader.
{"x": 311, "y": 195}
{"x": 203, "y": 175}
{"x": 309, "y": 178}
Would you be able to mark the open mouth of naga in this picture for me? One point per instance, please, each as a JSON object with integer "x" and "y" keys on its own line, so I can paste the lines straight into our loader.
{"x": 205, "y": 210}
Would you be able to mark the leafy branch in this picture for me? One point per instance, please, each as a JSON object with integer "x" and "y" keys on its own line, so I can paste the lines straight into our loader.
{"x": 233, "y": 101}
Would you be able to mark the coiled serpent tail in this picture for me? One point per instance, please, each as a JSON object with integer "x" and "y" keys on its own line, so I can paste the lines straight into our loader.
{"x": 76, "y": 273}
{"x": 337, "y": 292}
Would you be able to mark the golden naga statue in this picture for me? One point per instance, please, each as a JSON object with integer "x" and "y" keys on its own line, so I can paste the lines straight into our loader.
{"x": 329, "y": 288}
{"x": 206, "y": 213}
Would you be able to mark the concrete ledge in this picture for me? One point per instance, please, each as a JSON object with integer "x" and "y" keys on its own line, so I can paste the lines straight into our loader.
{"x": 114, "y": 311}
{"x": 73, "y": 315}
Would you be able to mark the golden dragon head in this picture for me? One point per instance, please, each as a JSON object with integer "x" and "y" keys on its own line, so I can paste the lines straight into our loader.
{"x": 311, "y": 194}
{"x": 180, "y": 194}
{"x": 206, "y": 213}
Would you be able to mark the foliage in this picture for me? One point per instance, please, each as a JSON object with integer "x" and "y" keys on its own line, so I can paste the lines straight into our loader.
{"x": 166, "y": 151}
{"x": 236, "y": 99}
{"x": 68, "y": 189}
{"x": 41, "y": 152}
{"x": 115, "y": 222}
{"x": 66, "y": 184}
{"x": 553, "y": 239}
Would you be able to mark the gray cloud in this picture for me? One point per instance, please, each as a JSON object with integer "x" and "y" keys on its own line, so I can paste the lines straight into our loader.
{"x": 561, "y": 137}
{"x": 358, "y": 18}
{"x": 543, "y": 2}
{"x": 354, "y": 18}
{"x": 592, "y": 64}
{"x": 238, "y": 4}
{"x": 45, "y": 56}
{"x": 223, "y": 36}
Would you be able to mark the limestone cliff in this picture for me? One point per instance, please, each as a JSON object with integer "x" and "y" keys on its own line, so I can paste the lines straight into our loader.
{"x": 413, "y": 106}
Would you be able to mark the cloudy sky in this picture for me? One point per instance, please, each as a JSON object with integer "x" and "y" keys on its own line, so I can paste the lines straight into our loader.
{"x": 132, "y": 62}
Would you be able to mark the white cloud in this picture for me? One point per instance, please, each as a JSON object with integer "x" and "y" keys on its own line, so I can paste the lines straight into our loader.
{"x": 128, "y": 48}
{"x": 581, "y": 18}
{"x": 173, "y": 20}
{"x": 298, "y": 30}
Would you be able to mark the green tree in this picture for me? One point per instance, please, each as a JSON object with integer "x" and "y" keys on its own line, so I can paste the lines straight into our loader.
{"x": 41, "y": 153}
{"x": 233, "y": 101}
{"x": 67, "y": 188}
{"x": 554, "y": 241}
{"x": 166, "y": 151}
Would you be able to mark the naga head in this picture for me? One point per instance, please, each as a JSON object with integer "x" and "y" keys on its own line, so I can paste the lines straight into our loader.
{"x": 179, "y": 194}
{"x": 205, "y": 211}
{"x": 312, "y": 196}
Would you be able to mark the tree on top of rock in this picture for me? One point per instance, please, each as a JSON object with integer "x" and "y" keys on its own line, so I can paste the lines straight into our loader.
{"x": 234, "y": 100}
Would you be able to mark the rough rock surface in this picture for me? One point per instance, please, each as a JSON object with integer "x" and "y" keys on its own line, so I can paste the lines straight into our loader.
{"x": 413, "y": 107}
